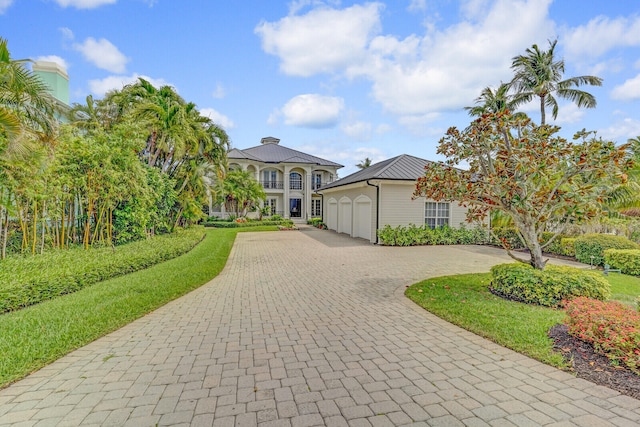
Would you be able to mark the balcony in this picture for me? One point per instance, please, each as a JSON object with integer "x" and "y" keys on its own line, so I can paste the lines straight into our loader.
{"x": 272, "y": 185}
{"x": 317, "y": 184}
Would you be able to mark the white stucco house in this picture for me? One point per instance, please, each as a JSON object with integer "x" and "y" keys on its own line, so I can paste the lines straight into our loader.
{"x": 367, "y": 200}
{"x": 289, "y": 177}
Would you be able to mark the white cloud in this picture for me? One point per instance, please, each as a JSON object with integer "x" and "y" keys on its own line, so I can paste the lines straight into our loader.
{"x": 600, "y": 35}
{"x": 67, "y": 34}
{"x": 417, "y": 6}
{"x": 102, "y": 86}
{"x": 54, "y": 58}
{"x": 4, "y": 5}
{"x": 219, "y": 92}
{"x": 322, "y": 41}
{"x": 627, "y": 91}
{"x": 567, "y": 114}
{"x": 218, "y": 118}
{"x": 312, "y": 110}
{"x": 622, "y": 130}
{"x": 383, "y": 128}
{"x": 358, "y": 130}
{"x": 103, "y": 54}
{"x": 84, "y": 4}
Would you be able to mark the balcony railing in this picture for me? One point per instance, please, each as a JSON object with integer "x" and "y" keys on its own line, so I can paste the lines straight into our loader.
{"x": 315, "y": 184}
{"x": 273, "y": 185}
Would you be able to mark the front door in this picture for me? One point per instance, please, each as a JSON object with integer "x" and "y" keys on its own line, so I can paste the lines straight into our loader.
{"x": 295, "y": 208}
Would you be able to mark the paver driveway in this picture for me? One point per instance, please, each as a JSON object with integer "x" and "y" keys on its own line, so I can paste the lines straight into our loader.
{"x": 309, "y": 328}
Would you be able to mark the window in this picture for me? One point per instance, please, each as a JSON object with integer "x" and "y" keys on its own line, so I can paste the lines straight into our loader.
{"x": 316, "y": 207}
{"x": 436, "y": 214}
{"x": 295, "y": 181}
{"x": 271, "y": 202}
{"x": 317, "y": 181}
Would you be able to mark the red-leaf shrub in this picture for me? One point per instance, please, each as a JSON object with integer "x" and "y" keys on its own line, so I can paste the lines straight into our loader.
{"x": 611, "y": 327}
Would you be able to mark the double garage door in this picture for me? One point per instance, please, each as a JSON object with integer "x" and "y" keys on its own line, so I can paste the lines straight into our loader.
{"x": 350, "y": 217}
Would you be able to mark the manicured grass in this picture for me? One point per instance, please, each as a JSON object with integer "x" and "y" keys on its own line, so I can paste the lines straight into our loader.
{"x": 35, "y": 336}
{"x": 465, "y": 301}
{"x": 624, "y": 288}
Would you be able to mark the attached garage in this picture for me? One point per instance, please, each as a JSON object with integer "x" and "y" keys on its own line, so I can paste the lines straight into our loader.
{"x": 332, "y": 214}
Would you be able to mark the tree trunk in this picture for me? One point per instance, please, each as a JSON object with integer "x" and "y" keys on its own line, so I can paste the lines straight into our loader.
{"x": 530, "y": 236}
{"x": 542, "y": 112}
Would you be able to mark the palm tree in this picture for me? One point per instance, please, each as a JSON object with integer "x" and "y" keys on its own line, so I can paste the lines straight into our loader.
{"x": 539, "y": 74}
{"x": 364, "y": 164}
{"x": 492, "y": 101}
{"x": 27, "y": 109}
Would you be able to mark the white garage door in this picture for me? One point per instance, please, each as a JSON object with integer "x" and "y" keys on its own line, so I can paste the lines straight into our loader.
{"x": 332, "y": 215}
{"x": 362, "y": 222}
{"x": 344, "y": 216}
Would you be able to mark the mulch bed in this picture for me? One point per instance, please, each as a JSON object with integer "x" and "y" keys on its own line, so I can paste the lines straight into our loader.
{"x": 594, "y": 367}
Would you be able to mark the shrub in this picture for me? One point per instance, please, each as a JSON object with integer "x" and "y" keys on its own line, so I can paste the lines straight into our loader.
{"x": 317, "y": 222}
{"x": 625, "y": 260}
{"x": 235, "y": 224}
{"x": 414, "y": 235}
{"x": 611, "y": 327}
{"x": 548, "y": 287}
{"x": 276, "y": 217}
{"x": 567, "y": 245}
{"x": 556, "y": 245}
{"x": 506, "y": 235}
{"x": 25, "y": 281}
{"x": 590, "y": 247}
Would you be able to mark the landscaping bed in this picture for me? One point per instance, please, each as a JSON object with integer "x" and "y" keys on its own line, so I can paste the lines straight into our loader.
{"x": 589, "y": 365}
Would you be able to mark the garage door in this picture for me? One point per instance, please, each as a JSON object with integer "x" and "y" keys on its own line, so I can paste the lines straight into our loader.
{"x": 332, "y": 215}
{"x": 344, "y": 216}
{"x": 362, "y": 221}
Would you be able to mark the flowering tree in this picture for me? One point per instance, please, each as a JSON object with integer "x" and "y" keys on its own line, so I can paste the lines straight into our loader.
{"x": 538, "y": 179}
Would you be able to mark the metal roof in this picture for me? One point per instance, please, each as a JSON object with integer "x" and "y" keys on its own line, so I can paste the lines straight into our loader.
{"x": 400, "y": 168}
{"x": 274, "y": 153}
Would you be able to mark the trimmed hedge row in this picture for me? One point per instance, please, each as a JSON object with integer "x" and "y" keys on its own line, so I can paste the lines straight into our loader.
{"x": 625, "y": 260}
{"x": 235, "y": 224}
{"x": 548, "y": 287}
{"x": 414, "y": 236}
{"x": 590, "y": 247}
{"x": 25, "y": 281}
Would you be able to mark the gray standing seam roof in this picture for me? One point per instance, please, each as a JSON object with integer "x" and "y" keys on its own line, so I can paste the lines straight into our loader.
{"x": 274, "y": 153}
{"x": 401, "y": 168}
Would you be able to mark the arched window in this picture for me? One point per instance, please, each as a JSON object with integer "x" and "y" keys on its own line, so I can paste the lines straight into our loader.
{"x": 295, "y": 181}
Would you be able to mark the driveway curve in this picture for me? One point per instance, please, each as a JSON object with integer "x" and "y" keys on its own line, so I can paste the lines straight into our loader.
{"x": 309, "y": 328}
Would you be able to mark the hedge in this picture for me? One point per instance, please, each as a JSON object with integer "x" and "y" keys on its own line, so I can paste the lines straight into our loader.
{"x": 625, "y": 260}
{"x": 548, "y": 287}
{"x": 25, "y": 281}
{"x": 235, "y": 224}
{"x": 590, "y": 247}
{"x": 415, "y": 236}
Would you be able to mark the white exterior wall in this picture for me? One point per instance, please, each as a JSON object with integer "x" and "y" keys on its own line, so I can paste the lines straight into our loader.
{"x": 396, "y": 206}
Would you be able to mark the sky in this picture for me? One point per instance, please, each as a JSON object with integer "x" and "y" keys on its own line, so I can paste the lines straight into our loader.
{"x": 342, "y": 80}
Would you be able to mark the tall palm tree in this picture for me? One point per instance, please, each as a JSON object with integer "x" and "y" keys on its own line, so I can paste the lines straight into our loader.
{"x": 492, "y": 101}
{"x": 539, "y": 73}
{"x": 364, "y": 164}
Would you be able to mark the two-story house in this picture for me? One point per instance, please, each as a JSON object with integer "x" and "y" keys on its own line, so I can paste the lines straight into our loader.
{"x": 289, "y": 177}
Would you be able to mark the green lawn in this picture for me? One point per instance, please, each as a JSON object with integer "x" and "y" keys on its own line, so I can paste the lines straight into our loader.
{"x": 35, "y": 336}
{"x": 465, "y": 301}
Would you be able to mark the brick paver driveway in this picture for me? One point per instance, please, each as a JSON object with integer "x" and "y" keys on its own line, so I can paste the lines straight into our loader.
{"x": 309, "y": 328}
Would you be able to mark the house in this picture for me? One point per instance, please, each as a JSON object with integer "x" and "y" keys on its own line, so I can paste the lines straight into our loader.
{"x": 289, "y": 177}
{"x": 382, "y": 194}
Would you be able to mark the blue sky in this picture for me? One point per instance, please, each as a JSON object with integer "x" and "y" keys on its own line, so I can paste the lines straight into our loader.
{"x": 343, "y": 80}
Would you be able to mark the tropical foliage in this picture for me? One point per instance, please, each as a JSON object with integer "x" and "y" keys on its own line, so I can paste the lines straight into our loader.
{"x": 240, "y": 192}
{"x": 140, "y": 161}
{"x": 538, "y": 179}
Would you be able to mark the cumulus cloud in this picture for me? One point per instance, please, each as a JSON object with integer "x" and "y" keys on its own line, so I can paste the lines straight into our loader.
{"x": 54, "y": 58}
{"x": 218, "y": 118}
{"x": 103, "y": 54}
{"x": 414, "y": 76}
{"x": 627, "y": 91}
{"x": 622, "y": 130}
{"x": 308, "y": 45}
{"x": 101, "y": 86}
{"x": 313, "y": 111}
{"x": 567, "y": 114}
{"x": 600, "y": 35}
{"x": 4, "y": 5}
{"x": 358, "y": 130}
{"x": 84, "y": 4}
